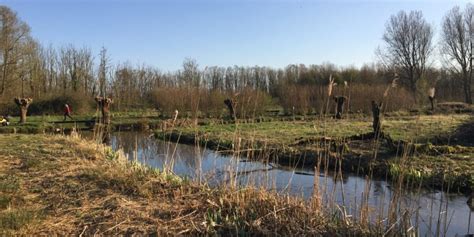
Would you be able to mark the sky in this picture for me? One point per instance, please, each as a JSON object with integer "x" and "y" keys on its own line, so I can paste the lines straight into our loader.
{"x": 271, "y": 33}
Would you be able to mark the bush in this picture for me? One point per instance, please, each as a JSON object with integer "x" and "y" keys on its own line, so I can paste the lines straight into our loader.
{"x": 9, "y": 107}
{"x": 361, "y": 96}
{"x": 195, "y": 102}
{"x": 307, "y": 99}
{"x": 251, "y": 103}
{"x": 79, "y": 104}
{"x": 169, "y": 99}
{"x": 302, "y": 100}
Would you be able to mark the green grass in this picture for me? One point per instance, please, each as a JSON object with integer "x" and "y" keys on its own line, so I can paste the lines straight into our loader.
{"x": 40, "y": 124}
{"x": 410, "y": 128}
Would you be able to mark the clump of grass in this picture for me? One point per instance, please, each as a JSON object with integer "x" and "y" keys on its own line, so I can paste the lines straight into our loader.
{"x": 4, "y": 201}
{"x": 8, "y": 183}
{"x": 15, "y": 219}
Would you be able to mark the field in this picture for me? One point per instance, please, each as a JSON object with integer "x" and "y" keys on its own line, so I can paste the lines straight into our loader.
{"x": 423, "y": 128}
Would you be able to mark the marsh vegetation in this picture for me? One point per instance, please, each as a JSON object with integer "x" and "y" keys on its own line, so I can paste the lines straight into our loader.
{"x": 386, "y": 149}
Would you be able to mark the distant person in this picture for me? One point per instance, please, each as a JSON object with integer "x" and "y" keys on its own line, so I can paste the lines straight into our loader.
{"x": 67, "y": 112}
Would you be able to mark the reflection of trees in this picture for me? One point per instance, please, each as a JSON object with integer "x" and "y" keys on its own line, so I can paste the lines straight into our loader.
{"x": 151, "y": 148}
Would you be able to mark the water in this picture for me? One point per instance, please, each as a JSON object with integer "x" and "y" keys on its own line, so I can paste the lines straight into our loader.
{"x": 214, "y": 168}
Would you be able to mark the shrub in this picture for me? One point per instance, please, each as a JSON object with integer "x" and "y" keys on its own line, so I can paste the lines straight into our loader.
{"x": 194, "y": 101}
{"x": 306, "y": 99}
{"x": 79, "y": 104}
{"x": 251, "y": 103}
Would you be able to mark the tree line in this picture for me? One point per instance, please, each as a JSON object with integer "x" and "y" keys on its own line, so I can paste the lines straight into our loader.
{"x": 29, "y": 69}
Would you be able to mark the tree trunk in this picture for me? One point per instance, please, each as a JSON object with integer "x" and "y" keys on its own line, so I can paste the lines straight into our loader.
{"x": 340, "y": 106}
{"x": 23, "y": 112}
{"x": 104, "y": 105}
{"x": 466, "y": 83}
{"x": 105, "y": 115}
{"x": 467, "y": 92}
{"x": 376, "y": 124}
{"x": 432, "y": 102}
{"x": 230, "y": 106}
{"x": 4, "y": 72}
{"x": 23, "y": 104}
{"x": 469, "y": 81}
{"x": 414, "y": 92}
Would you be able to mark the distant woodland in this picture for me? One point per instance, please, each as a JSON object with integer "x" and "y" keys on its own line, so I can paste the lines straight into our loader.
{"x": 53, "y": 75}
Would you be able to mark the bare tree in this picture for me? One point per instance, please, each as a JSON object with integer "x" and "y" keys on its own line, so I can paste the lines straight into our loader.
{"x": 14, "y": 34}
{"x": 408, "y": 39}
{"x": 103, "y": 70}
{"x": 30, "y": 68}
{"x": 190, "y": 74}
{"x": 50, "y": 62}
{"x": 456, "y": 44}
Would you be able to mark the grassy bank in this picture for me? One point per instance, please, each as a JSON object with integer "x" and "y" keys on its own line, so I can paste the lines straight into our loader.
{"x": 415, "y": 128}
{"x": 49, "y": 123}
{"x": 426, "y": 145}
{"x": 63, "y": 185}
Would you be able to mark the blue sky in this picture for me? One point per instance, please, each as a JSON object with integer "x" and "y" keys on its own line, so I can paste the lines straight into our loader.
{"x": 224, "y": 33}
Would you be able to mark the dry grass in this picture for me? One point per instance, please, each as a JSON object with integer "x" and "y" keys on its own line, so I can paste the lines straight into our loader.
{"x": 53, "y": 185}
{"x": 304, "y": 99}
{"x": 203, "y": 102}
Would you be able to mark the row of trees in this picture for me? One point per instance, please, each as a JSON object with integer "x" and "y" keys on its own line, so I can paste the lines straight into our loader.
{"x": 30, "y": 69}
{"x": 409, "y": 47}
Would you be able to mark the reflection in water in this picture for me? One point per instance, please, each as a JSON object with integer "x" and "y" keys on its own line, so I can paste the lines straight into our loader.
{"x": 432, "y": 211}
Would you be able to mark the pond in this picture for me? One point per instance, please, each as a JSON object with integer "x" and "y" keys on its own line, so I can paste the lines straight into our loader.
{"x": 433, "y": 211}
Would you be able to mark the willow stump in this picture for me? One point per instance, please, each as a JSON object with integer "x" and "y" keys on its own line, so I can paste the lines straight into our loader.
{"x": 23, "y": 104}
{"x": 104, "y": 106}
{"x": 103, "y": 129}
{"x": 431, "y": 97}
{"x": 340, "y": 100}
{"x": 376, "y": 124}
{"x": 230, "y": 105}
{"x": 431, "y": 102}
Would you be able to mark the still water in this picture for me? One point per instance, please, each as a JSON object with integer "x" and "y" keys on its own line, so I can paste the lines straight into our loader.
{"x": 434, "y": 211}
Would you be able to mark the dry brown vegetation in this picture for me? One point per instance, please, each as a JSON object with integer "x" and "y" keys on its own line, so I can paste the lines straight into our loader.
{"x": 192, "y": 102}
{"x": 313, "y": 99}
{"x": 56, "y": 185}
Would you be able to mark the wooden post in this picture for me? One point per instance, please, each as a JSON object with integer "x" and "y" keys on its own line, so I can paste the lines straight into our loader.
{"x": 376, "y": 124}
{"x": 23, "y": 104}
{"x": 340, "y": 106}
